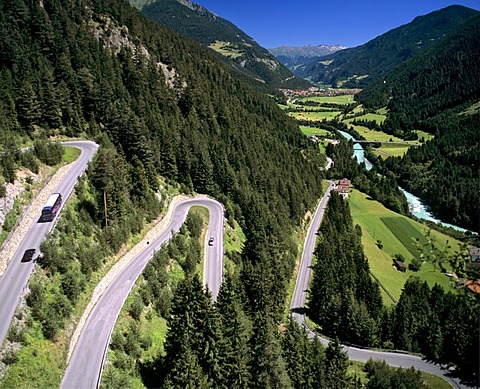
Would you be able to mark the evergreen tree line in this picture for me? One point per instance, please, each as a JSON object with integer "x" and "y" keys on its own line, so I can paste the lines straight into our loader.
{"x": 219, "y": 345}
{"x": 444, "y": 172}
{"x": 43, "y": 151}
{"x": 345, "y": 303}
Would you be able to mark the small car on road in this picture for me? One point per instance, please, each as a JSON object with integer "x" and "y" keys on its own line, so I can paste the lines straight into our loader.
{"x": 210, "y": 241}
{"x": 28, "y": 255}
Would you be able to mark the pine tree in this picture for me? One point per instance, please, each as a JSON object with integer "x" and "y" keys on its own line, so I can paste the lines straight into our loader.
{"x": 235, "y": 351}
{"x": 295, "y": 354}
{"x": 336, "y": 364}
{"x": 268, "y": 366}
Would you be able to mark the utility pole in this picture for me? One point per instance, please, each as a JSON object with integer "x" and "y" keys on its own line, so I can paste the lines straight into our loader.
{"x": 105, "y": 207}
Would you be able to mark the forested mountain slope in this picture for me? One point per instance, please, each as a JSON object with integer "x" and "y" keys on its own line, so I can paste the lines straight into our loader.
{"x": 158, "y": 103}
{"x": 438, "y": 92}
{"x": 103, "y": 68}
{"x": 366, "y": 63}
{"x": 236, "y": 47}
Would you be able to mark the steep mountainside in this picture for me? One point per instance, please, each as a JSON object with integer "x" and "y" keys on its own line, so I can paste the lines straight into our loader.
{"x": 293, "y": 56}
{"x": 363, "y": 64}
{"x": 236, "y": 47}
{"x": 102, "y": 70}
{"x": 438, "y": 91}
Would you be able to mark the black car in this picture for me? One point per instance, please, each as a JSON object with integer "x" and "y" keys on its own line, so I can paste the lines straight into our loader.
{"x": 210, "y": 242}
{"x": 28, "y": 255}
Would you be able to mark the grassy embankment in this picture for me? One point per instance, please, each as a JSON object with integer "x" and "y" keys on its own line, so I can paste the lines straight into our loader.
{"x": 227, "y": 49}
{"x": 41, "y": 362}
{"x": 398, "y": 235}
{"x": 431, "y": 381}
{"x": 70, "y": 155}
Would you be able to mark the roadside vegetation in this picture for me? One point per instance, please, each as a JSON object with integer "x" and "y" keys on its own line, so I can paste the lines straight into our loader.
{"x": 42, "y": 160}
{"x": 76, "y": 255}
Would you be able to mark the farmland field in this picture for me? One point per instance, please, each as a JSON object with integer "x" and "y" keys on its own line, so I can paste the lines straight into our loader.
{"x": 408, "y": 235}
{"x": 368, "y": 214}
{"x": 314, "y": 131}
{"x": 369, "y": 134}
{"x": 371, "y": 116}
{"x": 342, "y": 99}
{"x": 390, "y": 150}
{"x": 314, "y": 116}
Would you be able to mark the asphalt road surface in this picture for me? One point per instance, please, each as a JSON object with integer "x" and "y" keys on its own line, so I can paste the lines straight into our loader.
{"x": 16, "y": 276}
{"x": 297, "y": 308}
{"x": 86, "y": 364}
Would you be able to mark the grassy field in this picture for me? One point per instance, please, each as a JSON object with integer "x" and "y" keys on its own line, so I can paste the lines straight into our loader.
{"x": 315, "y": 116}
{"x": 314, "y": 131}
{"x": 343, "y": 99}
{"x": 355, "y": 369}
{"x": 225, "y": 49}
{"x": 390, "y": 151}
{"x": 372, "y": 135}
{"x": 396, "y": 236}
{"x": 379, "y": 118}
{"x": 425, "y": 135}
{"x": 71, "y": 154}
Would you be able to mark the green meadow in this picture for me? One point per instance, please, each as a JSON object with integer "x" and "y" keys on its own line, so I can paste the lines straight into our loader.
{"x": 342, "y": 99}
{"x": 372, "y": 135}
{"x": 314, "y": 131}
{"x": 379, "y": 118}
{"x": 315, "y": 115}
{"x": 424, "y": 135}
{"x": 390, "y": 150}
{"x": 398, "y": 235}
{"x": 226, "y": 49}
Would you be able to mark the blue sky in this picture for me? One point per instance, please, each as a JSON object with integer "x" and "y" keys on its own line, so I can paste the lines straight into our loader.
{"x": 297, "y": 23}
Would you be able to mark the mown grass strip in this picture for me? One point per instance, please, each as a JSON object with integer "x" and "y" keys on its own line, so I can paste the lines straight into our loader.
{"x": 407, "y": 234}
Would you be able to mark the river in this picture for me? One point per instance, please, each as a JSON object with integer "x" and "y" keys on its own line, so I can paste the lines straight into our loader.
{"x": 417, "y": 207}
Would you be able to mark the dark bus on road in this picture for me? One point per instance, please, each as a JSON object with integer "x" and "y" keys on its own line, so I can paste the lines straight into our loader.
{"x": 51, "y": 207}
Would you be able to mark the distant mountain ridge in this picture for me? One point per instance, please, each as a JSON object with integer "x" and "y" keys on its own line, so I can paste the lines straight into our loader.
{"x": 293, "y": 56}
{"x": 196, "y": 22}
{"x": 358, "y": 66}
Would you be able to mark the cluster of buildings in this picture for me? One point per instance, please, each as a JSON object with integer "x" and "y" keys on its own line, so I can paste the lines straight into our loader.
{"x": 315, "y": 91}
{"x": 343, "y": 187}
{"x": 473, "y": 267}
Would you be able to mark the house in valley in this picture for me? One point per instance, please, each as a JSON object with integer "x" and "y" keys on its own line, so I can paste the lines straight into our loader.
{"x": 343, "y": 187}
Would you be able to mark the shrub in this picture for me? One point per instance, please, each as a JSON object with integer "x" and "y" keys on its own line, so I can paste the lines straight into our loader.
{"x": 50, "y": 153}
{"x": 28, "y": 160}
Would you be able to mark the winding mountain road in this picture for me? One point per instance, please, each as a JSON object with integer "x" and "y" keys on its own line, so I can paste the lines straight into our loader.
{"x": 86, "y": 364}
{"x": 17, "y": 273}
{"x": 85, "y": 367}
